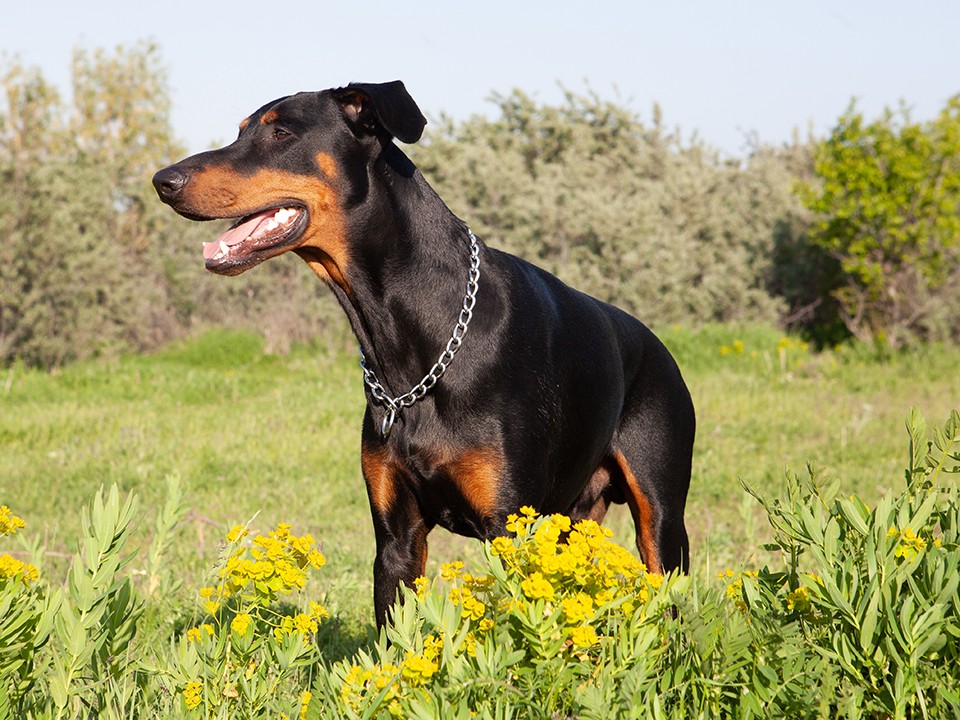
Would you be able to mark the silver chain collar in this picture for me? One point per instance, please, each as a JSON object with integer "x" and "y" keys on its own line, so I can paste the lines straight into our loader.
{"x": 395, "y": 405}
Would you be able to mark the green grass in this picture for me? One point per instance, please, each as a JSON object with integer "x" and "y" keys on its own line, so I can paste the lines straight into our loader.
{"x": 250, "y": 433}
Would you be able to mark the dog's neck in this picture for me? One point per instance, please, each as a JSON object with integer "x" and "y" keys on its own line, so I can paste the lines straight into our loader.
{"x": 408, "y": 271}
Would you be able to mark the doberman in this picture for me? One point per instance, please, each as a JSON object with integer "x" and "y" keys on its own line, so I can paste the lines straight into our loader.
{"x": 490, "y": 384}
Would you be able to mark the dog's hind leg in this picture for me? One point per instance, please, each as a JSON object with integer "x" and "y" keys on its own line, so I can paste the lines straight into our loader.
{"x": 653, "y": 450}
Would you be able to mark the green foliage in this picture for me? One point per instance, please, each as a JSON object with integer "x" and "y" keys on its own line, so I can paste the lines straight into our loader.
{"x": 861, "y": 619}
{"x": 858, "y": 617}
{"x": 887, "y": 203}
{"x": 875, "y": 590}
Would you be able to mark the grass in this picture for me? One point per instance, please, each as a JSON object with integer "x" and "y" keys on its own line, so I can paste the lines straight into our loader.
{"x": 248, "y": 433}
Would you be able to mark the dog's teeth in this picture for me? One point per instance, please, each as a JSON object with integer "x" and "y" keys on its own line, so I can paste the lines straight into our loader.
{"x": 272, "y": 224}
{"x": 224, "y": 248}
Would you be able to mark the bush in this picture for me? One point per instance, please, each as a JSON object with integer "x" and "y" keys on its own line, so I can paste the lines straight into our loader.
{"x": 626, "y": 211}
{"x": 887, "y": 205}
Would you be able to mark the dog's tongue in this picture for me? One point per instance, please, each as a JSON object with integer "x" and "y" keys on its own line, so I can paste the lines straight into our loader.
{"x": 236, "y": 234}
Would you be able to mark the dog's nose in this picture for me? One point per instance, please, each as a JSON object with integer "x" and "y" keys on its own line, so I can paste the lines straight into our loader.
{"x": 169, "y": 182}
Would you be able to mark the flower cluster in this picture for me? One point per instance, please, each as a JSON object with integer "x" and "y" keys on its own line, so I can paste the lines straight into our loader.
{"x": 575, "y": 569}
{"x": 734, "y": 582}
{"x": 909, "y": 544}
{"x": 268, "y": 566}
{"x": 416, "y": 670}
{"x": 10, "y": 567}
{"x": 736, "y": 348}
{"x": 9, "y": 523}
{"x": 193, "y": 695}
{"x": 245, "y": 634}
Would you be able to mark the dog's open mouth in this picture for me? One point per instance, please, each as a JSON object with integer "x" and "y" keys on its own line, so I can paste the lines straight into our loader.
{"x": 255, "y": 238}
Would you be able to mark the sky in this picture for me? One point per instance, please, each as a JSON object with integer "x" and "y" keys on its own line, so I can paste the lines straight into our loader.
{"x": 726, "y": 70}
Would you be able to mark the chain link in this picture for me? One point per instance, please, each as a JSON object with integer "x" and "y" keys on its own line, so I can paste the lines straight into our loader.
{"x": 395, "y": 405}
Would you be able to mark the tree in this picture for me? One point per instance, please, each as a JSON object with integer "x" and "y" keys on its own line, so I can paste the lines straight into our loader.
{"x": 887, "y": 205}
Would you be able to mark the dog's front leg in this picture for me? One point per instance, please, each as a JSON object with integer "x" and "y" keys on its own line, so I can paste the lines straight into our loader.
{"x": 400, "y": 528}
{"x": 401, "y": 558}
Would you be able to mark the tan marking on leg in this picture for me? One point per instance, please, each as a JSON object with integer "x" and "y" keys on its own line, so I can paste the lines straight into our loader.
{"x": 380, "y": 473}
{"x": 644, "y": 516}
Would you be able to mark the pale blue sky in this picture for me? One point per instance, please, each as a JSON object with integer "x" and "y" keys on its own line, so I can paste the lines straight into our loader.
{"x": 721, "y": 68}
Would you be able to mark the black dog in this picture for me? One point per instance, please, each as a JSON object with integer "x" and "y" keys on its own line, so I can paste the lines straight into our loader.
{"x": 552, "y": 399}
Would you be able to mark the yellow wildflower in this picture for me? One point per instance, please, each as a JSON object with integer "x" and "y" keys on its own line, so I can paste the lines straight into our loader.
{"x": 318, "y": 612}
{"x": 11, "y": 567}
{"x": 473, "y": 608}
{"x": 9, "y": 523}
{"x": 418, "y": 669}
{"x": 536, "y": 586}
{"x": 451, "y": 571}
{"x": 240, "y": 623}
{"x": 799, "y": 600}
{"x": 583, "y": 636}
{"x": 910, "y": 545}
{"x": 192, "y": 695}
{"x": 237, "y": 532}
{"x": 305, "y": 697}
{"x": 503, "y": 547}
{"x": 578, "y": 608}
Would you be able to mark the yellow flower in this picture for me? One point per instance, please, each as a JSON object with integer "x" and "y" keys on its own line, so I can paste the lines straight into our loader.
{"x": 192, "y": 695}
{"x": 418, "y": 669}
{"x": 578, "y": 608}
{"x": 240, "y": 623}
{"x": 451, "y": 571}
{"x": 654, "y": 580}
{"x": 503, "y": 547}
{"x": 237, "y": 532}
{"x": 910, "y": 545}
{"x": 305, "y": 697}
{"x": 9, "y": 523}
{"x": 536, "y": 586}
{"x": 583, "y": 636}
{"x": 304, "y": 624}
{"x": 318, "y": 612}
{"x": 11, "y": 567}
{"x": 473, "y": 608}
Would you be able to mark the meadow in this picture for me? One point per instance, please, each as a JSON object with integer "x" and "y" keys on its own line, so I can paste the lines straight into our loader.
{"x": 276, "y": 438}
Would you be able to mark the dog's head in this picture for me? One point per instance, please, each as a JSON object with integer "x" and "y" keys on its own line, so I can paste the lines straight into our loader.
{"x": 297, "y": 166}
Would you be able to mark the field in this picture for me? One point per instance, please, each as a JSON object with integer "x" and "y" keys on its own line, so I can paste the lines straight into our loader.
{"x": 277, "y": 437}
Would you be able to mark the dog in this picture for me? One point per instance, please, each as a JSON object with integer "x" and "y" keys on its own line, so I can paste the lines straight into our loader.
{"x": 490, "y": 384}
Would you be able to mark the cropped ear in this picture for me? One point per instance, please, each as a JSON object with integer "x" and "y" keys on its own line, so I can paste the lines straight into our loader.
{"x": 383, "y": 105}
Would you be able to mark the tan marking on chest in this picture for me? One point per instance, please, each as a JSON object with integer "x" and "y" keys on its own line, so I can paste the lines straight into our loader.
{"x": 477, "y": 474}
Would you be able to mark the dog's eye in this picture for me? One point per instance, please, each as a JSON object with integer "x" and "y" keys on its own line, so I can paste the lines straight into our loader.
{"x": 279, "y": 133}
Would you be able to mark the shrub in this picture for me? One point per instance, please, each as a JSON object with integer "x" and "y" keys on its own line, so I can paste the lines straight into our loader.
{"x": 886, "y": 200}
